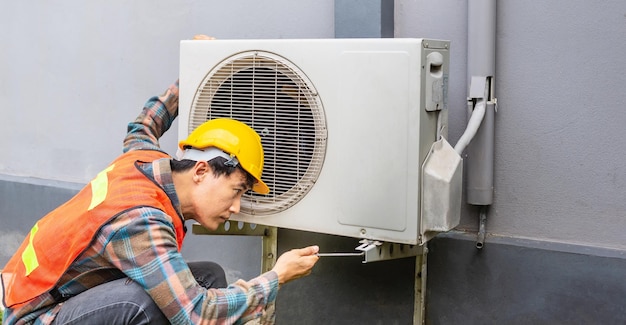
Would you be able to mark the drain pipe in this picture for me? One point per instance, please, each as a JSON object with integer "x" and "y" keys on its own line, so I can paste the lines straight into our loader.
{"x": 481, "y": 59}
{"x": 480, "y": 241}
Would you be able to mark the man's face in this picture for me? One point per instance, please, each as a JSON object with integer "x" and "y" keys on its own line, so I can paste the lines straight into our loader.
{"x": 214, "y": 199}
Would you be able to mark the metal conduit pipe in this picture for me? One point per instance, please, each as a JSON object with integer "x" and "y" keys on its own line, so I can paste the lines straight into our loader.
{"x": 482, "y": 223}
{"x": 481, "y": 78}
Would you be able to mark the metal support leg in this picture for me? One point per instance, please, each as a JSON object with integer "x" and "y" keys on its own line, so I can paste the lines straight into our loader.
{"x": 270, "y": 245}
{"x": 419, "y": 311}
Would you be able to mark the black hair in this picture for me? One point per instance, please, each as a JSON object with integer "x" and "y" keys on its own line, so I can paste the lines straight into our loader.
{"x": 217, "y": 165}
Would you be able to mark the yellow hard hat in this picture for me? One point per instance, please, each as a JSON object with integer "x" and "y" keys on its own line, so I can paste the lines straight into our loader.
{"x": 235, "y": 139}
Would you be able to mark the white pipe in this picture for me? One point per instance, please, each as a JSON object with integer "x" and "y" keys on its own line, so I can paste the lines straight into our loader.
{"x": 472, "y": 127}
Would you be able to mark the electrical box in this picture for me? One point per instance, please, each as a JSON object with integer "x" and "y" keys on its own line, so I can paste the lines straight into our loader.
{"x": 353, "y": 130}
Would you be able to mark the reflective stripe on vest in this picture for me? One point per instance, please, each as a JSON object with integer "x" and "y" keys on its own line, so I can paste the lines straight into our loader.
{"x": 29, "y": 257}
{"x": 99, "y": 187}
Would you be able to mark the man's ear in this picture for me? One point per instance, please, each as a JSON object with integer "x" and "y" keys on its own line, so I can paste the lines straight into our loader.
{"x": 201, "y": 169}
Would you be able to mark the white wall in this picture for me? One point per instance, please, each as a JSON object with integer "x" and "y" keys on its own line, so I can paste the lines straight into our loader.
{"x": 74, "y": 73}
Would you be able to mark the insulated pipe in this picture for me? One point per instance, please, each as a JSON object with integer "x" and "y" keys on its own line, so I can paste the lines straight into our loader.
{"x": 472, "y": 127}
{"x": 481, "y": 63}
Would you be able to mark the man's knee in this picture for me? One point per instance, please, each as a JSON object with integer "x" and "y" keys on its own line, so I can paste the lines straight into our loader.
{"x": 208, "y": 274}
{"x": 117, "y": 302}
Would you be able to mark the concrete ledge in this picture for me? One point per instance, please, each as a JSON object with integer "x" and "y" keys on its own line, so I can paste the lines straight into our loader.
{"x": 538, "y": 244}
{"x": 41, "y": 182}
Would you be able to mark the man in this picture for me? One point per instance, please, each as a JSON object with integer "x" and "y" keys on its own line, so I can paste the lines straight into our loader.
{"x": 111, "y": 255}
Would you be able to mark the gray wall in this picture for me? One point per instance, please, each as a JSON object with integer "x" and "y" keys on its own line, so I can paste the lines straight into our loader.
{"x": 73, "y": 73}
{"x": 560, "y": 84}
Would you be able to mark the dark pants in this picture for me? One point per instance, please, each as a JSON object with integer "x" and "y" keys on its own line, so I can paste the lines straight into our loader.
{"x": 125, "y": 302}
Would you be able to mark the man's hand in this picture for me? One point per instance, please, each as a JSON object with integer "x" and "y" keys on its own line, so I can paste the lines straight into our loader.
{"x": 295, "y": 263}
{"x": 203, "y": 37}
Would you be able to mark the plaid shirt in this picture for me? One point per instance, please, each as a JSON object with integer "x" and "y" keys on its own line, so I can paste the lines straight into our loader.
{"x": 145, "y": 234}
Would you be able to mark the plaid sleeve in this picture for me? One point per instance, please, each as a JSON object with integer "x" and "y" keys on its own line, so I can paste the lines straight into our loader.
{"x": 142, "y": 244}
{"x": 155, "y": 119}
{"x": 248, "y": 302}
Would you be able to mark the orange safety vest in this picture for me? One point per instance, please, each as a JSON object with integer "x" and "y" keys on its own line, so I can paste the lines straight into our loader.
{"x": 61, "y": 236}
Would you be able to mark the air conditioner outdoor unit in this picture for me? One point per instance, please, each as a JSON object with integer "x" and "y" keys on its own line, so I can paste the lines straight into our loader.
{"x": 353, "y": 131}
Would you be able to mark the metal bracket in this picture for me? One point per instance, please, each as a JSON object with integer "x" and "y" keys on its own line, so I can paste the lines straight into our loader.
{"x": 367, "y": 245}
{"x": 373, "y": 251}
{"x": 377, "y": 251}
{"x": 481, "y": 88}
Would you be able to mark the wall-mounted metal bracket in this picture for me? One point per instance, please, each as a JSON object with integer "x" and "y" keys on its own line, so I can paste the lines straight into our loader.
{"x": 237, "y": 228}
{"x": 377, "y": 251}
{"x": 373, "y": 251}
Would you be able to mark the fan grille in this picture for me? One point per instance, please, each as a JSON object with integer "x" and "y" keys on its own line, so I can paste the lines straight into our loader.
{"x": 275, "y": 98}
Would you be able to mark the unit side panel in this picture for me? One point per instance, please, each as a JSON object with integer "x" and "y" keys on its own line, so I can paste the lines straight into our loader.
{"x": 368, "y": 135}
